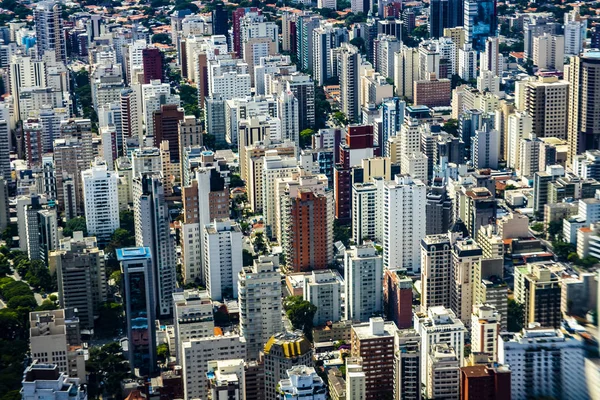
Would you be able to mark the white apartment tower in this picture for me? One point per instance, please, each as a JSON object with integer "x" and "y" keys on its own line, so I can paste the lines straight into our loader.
{"x": 222, "y": 258}
{"x": 287, "y": 112}
{"x": 363, "y": 270}
{"x": 101, "y": 199}
{"x": 192, "y": 317}
{"x": 259, "y": 297}
{"x": 443, "y": 373}
{"x": 349, "y": 61}
{"x": 403, "y": 222}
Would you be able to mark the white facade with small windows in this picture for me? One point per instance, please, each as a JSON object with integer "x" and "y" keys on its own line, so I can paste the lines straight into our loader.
{"x": 101, "y": 198}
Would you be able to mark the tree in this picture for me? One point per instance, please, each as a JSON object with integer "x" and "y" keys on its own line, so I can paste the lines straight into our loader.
{"x": 555, "y": 228}
{"x": 110, "y": 320}
{"x": 300, "y": 313}
{"x": 107, "y": 367}
{"x": 162, "y": 38}
{"x": 420, "y": 32}
{"x": 538, "y": 227}
{"x": 9, "y": 232}
{"x": 247, "y": 258}
{"x": 38, "y": 276}
{"x": 259, "y": 243}
{"x": 236, "y": 181}
{"x": 341, "y": 233}
{"x": 516, "y": 316}
{"x": 47, "y": 305}
{"x": 306, "y": 137}
{"x": 162, "y": 351}
{"x": 340, "y": 118}
{"x": 189, "y": 99}
{"x": 359, "y": 43}
{"x": 451, "y": 126}
{"x": 75, "y": 225}
{"x": 562, "y": 249}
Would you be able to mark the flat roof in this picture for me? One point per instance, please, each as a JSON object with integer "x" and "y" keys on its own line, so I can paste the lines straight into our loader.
{"x": 129, "y": 253}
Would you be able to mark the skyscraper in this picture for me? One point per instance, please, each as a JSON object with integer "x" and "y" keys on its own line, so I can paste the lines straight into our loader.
{"x": 350, "y": 60}
{"x": 444, "y": 14}
{"x": 152, "y": 230}
{"x": 49, "y": 30}
{"x": 363, "y": 270}
{"x": 222, "y": 258}
{"x": 152, "y": 64}
{"x": 480, "y": 21}
{"x": 101, "y": 201}
{"x": 584, "y": 95}
{"x": 140, "y": 307}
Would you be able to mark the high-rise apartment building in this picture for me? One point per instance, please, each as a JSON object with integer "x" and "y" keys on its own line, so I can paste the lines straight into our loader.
{"x": 403, "y": 222}
{"x": 544, "y": 362}
{"x": 152, "y": 230}
{"x": 546, "y": 101}
{"x": 350, "y": 61}
{"x": 438, "y": 326}
{"x": 46, "y": 380}
{"x": 443, "y": 372}
{"x": 485, "y": 328}
{"x": 466, "y": 259}
{"x": 537, "y": 288}
{"x": 398, "y": 297}
{"x": 81, "y": 276}
{"x": 407, "y": 379}
{"x": 226, "y": 379}
{"x": 192, "y": 317}
{"x": 363, "y": 271}
{"x": 485, "y": 382}
{"x": 259, "y": 297}
{"x": 49, "y": 29}
{"x": 101, "y": 200}
{"x": 302, "y": 382}
{"x": 140, "y": 307}
{"x": 323, "y": 289}
{"x": 283, "y": 351}
{"x": 166, "y": 127}
{"x": 583, "y": 128}
{"x": 222, "y": 258}
{"x": 373, "y": 341}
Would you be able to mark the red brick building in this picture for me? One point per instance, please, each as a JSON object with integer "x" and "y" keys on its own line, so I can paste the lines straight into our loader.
{"x": 433, "y": 92}
{"x": 481, "y": 382}
{"x": 152, "y": 63}
{"x": 397, "y": 298}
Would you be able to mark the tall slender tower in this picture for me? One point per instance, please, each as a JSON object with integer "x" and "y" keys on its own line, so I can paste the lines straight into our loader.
{"x": 584, "y": 98}
{"x": 349, "y": 82}
{"x": 152, "y": 230}
{"x": 49, "y": 29}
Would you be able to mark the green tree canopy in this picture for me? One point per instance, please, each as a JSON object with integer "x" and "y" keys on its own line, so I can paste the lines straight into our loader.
{"x": 300, "y": 313}
{"x": 306, "y": 138}
{"x": 108, "y": 367}
{"x": 162, "y": 38}
{"x": 516, "y": 316}
{"x": 75, "y": 225}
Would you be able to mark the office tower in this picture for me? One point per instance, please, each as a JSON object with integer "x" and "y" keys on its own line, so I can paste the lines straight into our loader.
{"x": 583, "y": 130}
{"x": 166, "y": 127}
{"x": 226, "y": 379}
{"x": 152, "y": 64}
{"x": 538, "y": 290}
{"x": 485, "y": 382}
{"x": 443, "y": 372}
{"x": 140, "y": 307}
{"x": 403, "y": 230}
{"x": 350, "y": 61}
{"x": 41, "y": 229}
{"x": 81, "y": 276}
{"x": 406, "y": 71}
{"x": 281, "y": 352}
{"x": 373, "y": 341}
{"x": 193, "y": 317}
{"x": 480, "y": 22}
{"x": 546, "y": 101}
{"x": 485, "y": 329}
{"x": 307, "y": 225}
{"x": 222, "y": 258}
{"x": 47, "y": 381}
{"x": 551, "y": 364}
{"x": 302, "y": 382}
{"x": 259, "y": 297}
{"x": 407, "y": 379}
{"x": 219, "y": 18}
{"x": 444, "y": 14}
{"x": 49, "y": 30}
{"x": 438, "y": 326}
{"x": 306, "y": 23}
{"x": 197, "y": 353}
{"x": 101, "y": 201}
{"x": 548, "y": 51}
{"x": 397, "y": 297}
{"x": 363, "y": 270}
{"x": 392, "y": 116}
{"x": 152, "y": 230}
{"x": 323, "y": 289}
